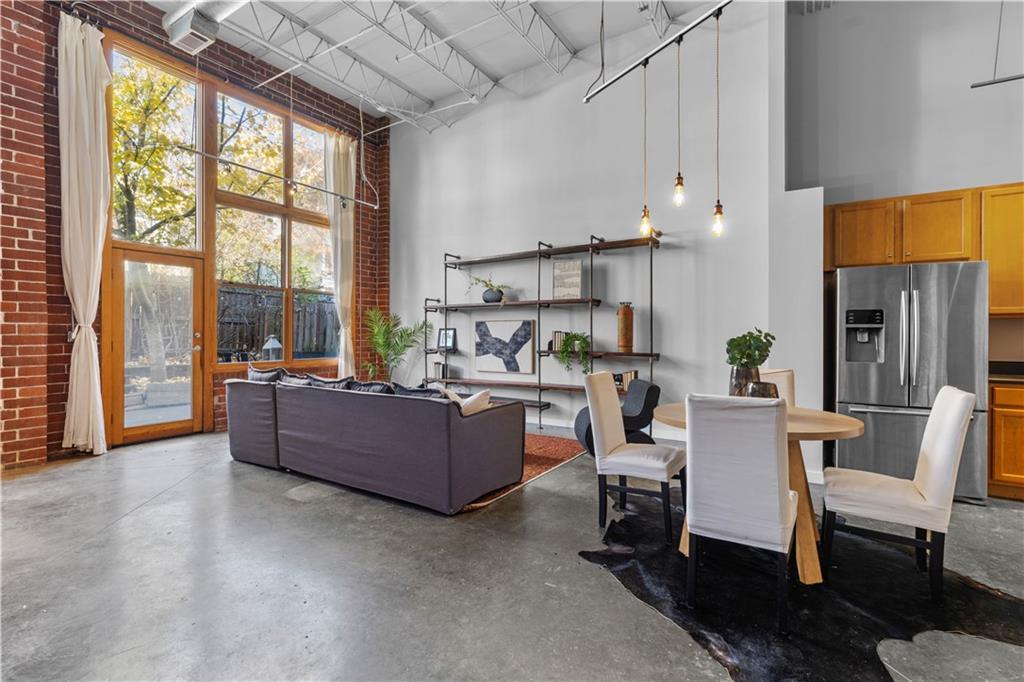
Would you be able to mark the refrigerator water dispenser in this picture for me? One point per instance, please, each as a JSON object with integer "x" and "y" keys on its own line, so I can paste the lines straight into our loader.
{"x": 865, "y": 336}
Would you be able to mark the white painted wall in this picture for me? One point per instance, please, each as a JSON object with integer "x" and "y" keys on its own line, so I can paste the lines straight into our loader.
{"x": 880, "y": 101}
{"x": 544, "y": 166}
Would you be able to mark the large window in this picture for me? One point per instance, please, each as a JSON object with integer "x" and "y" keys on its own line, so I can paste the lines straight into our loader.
{"x": 154, "y": 179}
{"x": 271, "y": 285}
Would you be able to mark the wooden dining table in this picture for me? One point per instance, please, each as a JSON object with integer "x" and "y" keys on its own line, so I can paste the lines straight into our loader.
{"x": 802, "y": 424}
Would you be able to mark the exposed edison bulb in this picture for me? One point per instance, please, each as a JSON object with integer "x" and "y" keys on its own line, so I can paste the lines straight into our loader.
{"x": 679, "y": 193}
{"x": 645, "y": 223}
{"x": 716, "y": 222}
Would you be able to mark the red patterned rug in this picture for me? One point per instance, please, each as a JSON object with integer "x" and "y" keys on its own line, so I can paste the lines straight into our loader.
{"x": 543, "y": 454}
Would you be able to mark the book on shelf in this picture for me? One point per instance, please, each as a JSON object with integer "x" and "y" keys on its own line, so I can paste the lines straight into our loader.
{"x": 623, "y": 379}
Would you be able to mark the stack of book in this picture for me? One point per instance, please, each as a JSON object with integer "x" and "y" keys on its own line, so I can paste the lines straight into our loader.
{"x": 556, "y": 340}
{"x": 622, "y": 380}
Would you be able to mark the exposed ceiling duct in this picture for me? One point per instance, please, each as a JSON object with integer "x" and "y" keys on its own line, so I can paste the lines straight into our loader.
{"x": 194, "y": 28}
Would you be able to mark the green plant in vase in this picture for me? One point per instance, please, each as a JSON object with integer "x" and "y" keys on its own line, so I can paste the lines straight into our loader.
{"x": 390, "y": 341}
{"x": 746, "y": 353}
{"x": 575, "y": 346}
{"x": 494, "y": 292}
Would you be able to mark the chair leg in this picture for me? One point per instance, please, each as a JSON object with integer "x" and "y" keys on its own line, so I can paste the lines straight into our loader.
{"x": 935, "y": 557}
{"x": 602, "y": 500}
{"x": 920, "y": 553}
{"x": 783, "y": 579}
{"x": 622, "y": 494}
{"x": 666, "y": 508}
{"x": 828, "y": 523}
{"x": 682, "y": 487}
{"x": 691, "y": 571}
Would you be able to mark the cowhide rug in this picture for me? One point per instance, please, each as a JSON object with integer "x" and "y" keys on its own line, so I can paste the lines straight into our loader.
{"x": 874, "y": 592}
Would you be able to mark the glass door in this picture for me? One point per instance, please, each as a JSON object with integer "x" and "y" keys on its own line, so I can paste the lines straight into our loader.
{"x": 157, "y": 353}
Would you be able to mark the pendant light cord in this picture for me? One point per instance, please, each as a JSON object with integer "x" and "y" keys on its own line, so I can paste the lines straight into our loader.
{"x": 679, "y": 107}
{"x": 999, "y": 33}
{"x": 645, "y": 134}
{"x": 718, "y": 125}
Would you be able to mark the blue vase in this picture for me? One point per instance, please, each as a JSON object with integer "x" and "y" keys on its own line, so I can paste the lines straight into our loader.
{"x": 493, "y": 295}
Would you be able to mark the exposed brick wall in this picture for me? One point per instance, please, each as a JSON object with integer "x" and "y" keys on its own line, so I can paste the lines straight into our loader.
{"x": 34, "y": 311}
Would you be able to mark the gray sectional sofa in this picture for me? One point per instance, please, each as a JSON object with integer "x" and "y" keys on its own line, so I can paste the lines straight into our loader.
{"x": 421, "y": 450}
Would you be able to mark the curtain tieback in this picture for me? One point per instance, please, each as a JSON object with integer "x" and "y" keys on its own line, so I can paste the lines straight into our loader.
{"x": 75, "y": 329}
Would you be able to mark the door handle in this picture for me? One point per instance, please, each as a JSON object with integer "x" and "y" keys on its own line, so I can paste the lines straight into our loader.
{"x": 893, "y": 410}
{"x": 903, "y": 336}
{"x": 916, "y": 331}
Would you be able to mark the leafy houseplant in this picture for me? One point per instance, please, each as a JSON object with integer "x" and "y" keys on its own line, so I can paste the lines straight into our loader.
{"x": 746, "y": 353}
{"x": 494, "y": 291}
{"x": 575, "y": 345}
{"x": 391, "y": 341}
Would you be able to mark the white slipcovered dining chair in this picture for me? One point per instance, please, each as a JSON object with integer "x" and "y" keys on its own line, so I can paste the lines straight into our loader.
{"x": 615, "y": 457}
{"x": 738, "y": 481}
{"x": 785, "y": 380}
{"x": 925, "y": 502}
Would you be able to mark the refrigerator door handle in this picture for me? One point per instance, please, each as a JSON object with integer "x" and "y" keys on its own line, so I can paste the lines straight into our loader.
{"x": 915, "y": 349}
{"x": 858, "y": 409}
{"x": 903, "y": 336}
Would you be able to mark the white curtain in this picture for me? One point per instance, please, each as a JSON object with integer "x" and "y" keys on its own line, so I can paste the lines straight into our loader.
{"x": 82, "y": 80}
{"x": 341, "y": 178}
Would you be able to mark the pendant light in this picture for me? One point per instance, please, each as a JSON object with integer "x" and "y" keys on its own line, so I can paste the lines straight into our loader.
{"x": 718, "y": 216}
{"x": 679, "y": 191}
{"x": 646, "y": 229}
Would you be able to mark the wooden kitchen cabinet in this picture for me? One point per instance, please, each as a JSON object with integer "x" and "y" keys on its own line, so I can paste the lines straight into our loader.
{"x": 1002, "y": 234}
{"x": 1006, "y": 441}
{"x": 864, "y": 233}
{"x": 938, "y": 227}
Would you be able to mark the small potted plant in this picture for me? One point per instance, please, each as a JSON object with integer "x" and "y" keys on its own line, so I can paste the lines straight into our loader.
{"x": 575, "y": 346}
{"x": 746, "y": 353}
{"x": 390, "y": 341}
{"x": 494, "y": 292}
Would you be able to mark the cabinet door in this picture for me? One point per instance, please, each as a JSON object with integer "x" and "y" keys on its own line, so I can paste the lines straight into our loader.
{"x": 1002, "y": 232}
{"x": 865, "y": 233}
{"x": 938, "y": 227}
{"x": 1007, "y": 446}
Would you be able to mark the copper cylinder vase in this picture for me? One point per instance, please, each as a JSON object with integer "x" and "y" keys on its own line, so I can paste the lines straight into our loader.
{"x": 625, "y": 318}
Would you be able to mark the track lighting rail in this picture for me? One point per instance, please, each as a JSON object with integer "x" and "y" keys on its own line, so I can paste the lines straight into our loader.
{"x": 642, "y": 61}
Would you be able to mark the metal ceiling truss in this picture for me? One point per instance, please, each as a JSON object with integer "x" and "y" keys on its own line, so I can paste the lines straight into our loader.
{"x": 658, "y": 16}
{"x": 409, "y": 31}
{"x": 338, "y": 65}
{"x": 537, "y": 31}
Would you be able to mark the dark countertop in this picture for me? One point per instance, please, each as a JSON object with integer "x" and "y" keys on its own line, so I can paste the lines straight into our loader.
{"x": 1003, "y": 371}
{"x": 1006, "y": 379}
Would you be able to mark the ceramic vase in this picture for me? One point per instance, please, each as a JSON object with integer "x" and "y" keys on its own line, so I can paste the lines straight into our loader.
{"x": 493, "y": 295}
{"x": 740, "y": 377}
{"x": 625, "y": 319}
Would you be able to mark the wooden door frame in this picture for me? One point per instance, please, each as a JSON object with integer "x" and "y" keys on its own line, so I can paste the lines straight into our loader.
{"x": 119, "y": 434}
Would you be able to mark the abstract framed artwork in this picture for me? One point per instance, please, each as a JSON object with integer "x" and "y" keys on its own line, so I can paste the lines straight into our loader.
{"x": 504, "y": 346}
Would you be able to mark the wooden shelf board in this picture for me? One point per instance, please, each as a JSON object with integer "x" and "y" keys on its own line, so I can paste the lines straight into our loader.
{"x": 596, "y": 247}
{"x": 597, "y": 354}
{"x": 501, "y": 400}
{"x": 527, "y": 385}
{"x": 546, "y": 302}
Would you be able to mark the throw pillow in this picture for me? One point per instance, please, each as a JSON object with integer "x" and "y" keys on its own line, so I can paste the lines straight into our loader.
{"x": 322, "y": 382}
{"x": 418, "y": 392}
{"x": 372, "y": 387}
{"x": 478, "y": 402}
{"x": 265, "y": 376}
{"x": 294, "y": 380}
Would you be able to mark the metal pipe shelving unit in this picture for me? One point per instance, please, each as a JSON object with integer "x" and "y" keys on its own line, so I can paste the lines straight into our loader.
{"x": 544, "y": 251}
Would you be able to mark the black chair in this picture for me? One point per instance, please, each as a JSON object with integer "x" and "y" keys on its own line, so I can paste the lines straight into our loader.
{"x": 637, "y": 414}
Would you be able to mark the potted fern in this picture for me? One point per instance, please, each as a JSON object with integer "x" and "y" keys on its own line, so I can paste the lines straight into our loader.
{"x": 746, "y": 353}
{"x": 575, "y": 346}
{"x": 390, "y": 341}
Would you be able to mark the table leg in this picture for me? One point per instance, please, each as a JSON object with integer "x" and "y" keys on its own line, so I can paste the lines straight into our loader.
{"x": 684, "y": 539}
{"x": 807, "y": 562}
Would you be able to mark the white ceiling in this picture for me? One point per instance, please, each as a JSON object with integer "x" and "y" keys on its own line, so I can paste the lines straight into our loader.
{"x": 379, "y": 70}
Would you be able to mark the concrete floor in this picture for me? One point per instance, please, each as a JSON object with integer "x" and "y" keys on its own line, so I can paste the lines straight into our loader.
{"x": 169, "y": 560}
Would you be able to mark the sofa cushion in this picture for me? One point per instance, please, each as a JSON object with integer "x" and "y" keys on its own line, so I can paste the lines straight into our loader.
{"x": 266, "y": 376}
{"x": 477, "y": 402}
{"x": 418, "y": 392}
{"x": 323, "y": 382}
{"x": 371, "y": 387}
{"x": 293, "y": 380}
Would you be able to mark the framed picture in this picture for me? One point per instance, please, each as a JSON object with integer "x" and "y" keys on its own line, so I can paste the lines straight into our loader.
{"x": 504, "y": 346}
{"x": 567, "y": 279}
{"x": 447, "y": 339}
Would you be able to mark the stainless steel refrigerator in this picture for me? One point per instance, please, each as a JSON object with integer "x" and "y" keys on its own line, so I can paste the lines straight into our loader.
{"x": 903, "y": 332}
